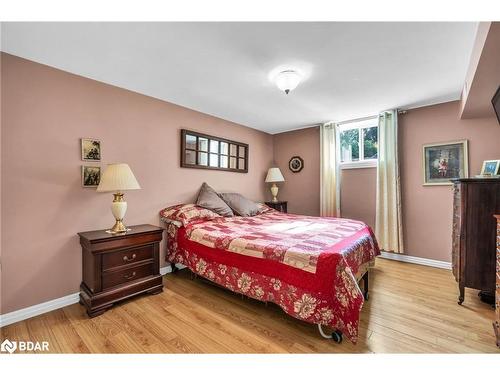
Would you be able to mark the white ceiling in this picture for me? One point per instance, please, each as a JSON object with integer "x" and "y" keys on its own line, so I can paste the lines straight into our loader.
{"x": 353, "y": 69}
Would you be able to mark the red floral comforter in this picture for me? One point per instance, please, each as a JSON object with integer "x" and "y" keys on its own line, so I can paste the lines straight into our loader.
{"x": 306, "y": 265}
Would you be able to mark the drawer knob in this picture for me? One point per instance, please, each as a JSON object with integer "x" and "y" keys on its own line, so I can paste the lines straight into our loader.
{"x": 128, "y": 277}
{"x": 127, "y": 259}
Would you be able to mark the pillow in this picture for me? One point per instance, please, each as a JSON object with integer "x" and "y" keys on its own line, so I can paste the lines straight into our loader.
{"x": 208, "y": 198}
{"x": 264, "y": 209}
{"x": 240, "y": 205}
{"x": 185, "y": 214}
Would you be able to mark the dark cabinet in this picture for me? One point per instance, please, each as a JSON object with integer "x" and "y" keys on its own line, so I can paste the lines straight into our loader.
{"x": 475, "y": 201}
{"x": 279, "y": 206}
{"x": 496, "y": 323}
{"x": 119, "y": 266}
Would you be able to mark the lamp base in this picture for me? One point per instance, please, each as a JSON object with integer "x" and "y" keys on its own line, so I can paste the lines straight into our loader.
{"x": 118, "y": 208}
{"x": 274, "y": 192}
{"x": 119, "y": 227}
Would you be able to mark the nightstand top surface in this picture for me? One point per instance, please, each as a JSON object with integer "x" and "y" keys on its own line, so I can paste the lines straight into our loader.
{"x": 97, "y": 235}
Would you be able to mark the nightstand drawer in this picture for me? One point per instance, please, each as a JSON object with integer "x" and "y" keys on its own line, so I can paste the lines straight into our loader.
{"x": 124, "y": 257}
{"x": 125, "y": 275}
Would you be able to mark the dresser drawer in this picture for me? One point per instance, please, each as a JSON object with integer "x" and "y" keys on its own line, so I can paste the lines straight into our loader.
{"x": 125, "y": 275}
{"x": 125, "y": 257}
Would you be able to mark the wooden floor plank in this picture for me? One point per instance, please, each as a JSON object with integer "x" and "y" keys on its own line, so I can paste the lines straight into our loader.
{"x": 412, "y": 309}
{"x": 64, "y": 333}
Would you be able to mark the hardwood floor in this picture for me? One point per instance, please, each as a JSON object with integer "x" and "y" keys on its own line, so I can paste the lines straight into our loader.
{"x": 412, "y": 309}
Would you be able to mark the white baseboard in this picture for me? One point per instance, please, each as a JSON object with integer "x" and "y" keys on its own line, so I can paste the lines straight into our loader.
{"x": 44, "y": 307}
{"x": 41, "y": 308}
{"x": 416, "y": 260}
{"x": 165, "y": 270}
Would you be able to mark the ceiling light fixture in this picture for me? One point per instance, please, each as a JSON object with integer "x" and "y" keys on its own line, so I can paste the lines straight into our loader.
{"x": 287, "y": 80}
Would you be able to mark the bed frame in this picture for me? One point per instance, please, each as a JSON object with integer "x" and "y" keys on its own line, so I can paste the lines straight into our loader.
{"x": 335, "y": 335}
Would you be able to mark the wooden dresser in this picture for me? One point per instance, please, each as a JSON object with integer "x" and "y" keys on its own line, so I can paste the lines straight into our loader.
{"x": 119, "y": 266}
{"x": 475, "y": 201}
{"x": 496, "y": 323}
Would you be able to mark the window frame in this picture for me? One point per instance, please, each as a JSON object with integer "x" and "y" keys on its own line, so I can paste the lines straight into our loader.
{"x": 360, "y": 124}
{"x": 239, "y": 147}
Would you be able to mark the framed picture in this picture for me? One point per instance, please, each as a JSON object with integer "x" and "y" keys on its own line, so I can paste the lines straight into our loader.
{"x": 296, "y": 164}
{"x": 91, "y": 149}
{"x": 445, "y": 161}
{"x": 91, "y": 176}
{"x": 490, "y": 167}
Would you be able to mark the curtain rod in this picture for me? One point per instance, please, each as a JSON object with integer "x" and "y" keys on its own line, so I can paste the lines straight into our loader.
{"x": 400, "y": 112}
{"x": 357, "y": 119}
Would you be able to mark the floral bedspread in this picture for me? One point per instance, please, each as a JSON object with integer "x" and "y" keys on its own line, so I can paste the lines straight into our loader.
{"x": 306, "y": 265}
{"x": 294, "y": 240}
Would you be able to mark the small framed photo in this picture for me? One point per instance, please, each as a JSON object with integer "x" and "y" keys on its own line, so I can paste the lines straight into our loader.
{"x": 444, "y": 161}
{"x": 91, "y": 176}
{"x": 490, "y": 167}
{"x": 91, "y": 149}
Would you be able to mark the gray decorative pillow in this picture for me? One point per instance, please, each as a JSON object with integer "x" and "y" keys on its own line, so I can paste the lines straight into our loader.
{"x": 208, "y": 198}
{"x": 240, "y": 205}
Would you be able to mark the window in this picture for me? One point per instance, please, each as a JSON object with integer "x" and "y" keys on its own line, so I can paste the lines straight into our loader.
{"x": 209, "y": 152}
{"x": 359, "y": 143}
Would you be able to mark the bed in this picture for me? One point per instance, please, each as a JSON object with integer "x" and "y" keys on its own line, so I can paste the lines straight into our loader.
{"x": 309, "y": 266}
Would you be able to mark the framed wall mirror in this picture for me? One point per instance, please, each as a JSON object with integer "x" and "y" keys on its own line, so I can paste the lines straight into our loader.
{"x": 205, "y": 151}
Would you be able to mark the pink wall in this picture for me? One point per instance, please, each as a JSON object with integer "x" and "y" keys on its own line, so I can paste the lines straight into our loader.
{"x": 357, "y": 194}
{"x": 45, "y": 112}
{"x": 301, "y": 189}
{"x": 427, "y": 210}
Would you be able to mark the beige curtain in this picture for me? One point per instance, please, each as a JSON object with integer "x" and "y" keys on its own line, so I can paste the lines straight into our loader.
{"x": 388, "y": 221}
{"x": 329, "y": 171}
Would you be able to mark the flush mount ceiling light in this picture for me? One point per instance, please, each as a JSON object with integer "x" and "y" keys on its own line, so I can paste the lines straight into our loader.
{"x": 287, "y": 80}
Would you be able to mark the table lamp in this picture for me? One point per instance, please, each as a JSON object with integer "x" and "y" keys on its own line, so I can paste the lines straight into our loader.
{"x": 274, "y": 175}
{"x": 117, "y": 178}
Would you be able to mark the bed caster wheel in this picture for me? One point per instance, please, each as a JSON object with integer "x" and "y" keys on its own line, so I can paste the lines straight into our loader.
{"x": 337, "y": 336}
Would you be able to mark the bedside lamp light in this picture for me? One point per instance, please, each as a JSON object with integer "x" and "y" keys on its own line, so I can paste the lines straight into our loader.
{"x": 117, "y": 178}
{"x": 274, "y": 175}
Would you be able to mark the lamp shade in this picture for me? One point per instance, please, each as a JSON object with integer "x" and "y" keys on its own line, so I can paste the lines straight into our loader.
{"x": 274, "y": 175}
{"x": 118, "y": 177}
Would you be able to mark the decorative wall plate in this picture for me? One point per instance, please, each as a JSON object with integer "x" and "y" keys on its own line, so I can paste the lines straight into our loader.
{"x": 296, "y": 164}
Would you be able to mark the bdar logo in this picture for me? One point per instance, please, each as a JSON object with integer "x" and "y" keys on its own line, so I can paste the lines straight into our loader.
{"x": 8, "y": 346}
{"x": 24, "y": 346}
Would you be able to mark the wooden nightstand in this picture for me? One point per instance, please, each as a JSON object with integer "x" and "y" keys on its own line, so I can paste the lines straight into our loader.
{"x": 119, "y": 266}
{"x": 280, "y": 206}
